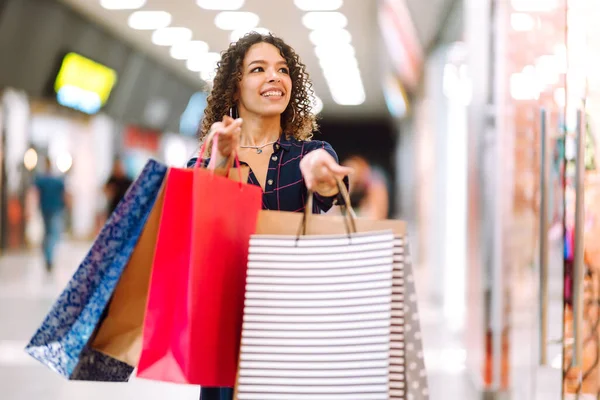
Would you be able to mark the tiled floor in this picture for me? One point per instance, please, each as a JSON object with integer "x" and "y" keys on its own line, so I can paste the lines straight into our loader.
{"x": 26, "y": 294}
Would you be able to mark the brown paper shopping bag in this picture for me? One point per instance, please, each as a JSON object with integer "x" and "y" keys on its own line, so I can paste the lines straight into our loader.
{"x": 120, "y": 334}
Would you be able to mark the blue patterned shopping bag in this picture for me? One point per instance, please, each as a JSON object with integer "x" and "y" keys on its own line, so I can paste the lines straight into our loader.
{"x": 61, "y": 342}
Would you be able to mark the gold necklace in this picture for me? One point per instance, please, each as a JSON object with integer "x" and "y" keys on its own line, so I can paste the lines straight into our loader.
{"x": 258, "y": 148}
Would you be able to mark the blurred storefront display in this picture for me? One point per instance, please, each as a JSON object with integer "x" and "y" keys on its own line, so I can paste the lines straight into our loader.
{"x": 139, "y": 144}
{"x": 552, "y": 95}
{"x": 428, "y": 97}
{"x": 176, "y": 150}
{"x": 15, "y": 127}
{"x": 191, "y": 117}
{"x": 535, "y": 98}
{"x": 527, "y": 71}
{"x": 82, "y": 148}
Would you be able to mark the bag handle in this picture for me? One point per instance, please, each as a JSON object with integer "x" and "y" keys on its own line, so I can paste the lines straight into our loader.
{"x": 347, "y": 206}
{"x": 213, "y": 136}
{"x": 347, "y": 211}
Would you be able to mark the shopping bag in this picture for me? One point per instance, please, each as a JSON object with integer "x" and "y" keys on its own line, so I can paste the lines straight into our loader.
{"x": 405, "y": 356}
{"x": 195, "y": 302}
{"x": 61, "y": 341}
{"x": 120, "y": 333}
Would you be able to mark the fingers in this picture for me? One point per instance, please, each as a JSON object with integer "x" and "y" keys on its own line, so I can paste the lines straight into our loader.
{"x": 339, "y": 170}
{"x": 317, "y": 177}
{"x": 232, "y": 126}
{"x": 229, "y": 131}
{"x": 229, "y": 136}
{"x": 216, "y": 127}
{"x": 328, "y": 161}
{"x": 324, "y": 159}
{"x": 227, "y": 120}
{"x": 227, "y": 125}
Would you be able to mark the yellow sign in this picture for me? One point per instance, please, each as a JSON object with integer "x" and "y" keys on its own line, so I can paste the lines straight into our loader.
{"x": 86, "y": 75}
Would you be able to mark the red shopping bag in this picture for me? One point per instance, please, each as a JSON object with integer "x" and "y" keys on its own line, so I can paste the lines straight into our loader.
{"x": 194, "y": 314}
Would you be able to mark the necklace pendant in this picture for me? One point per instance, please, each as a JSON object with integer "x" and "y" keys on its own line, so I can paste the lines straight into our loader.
{"x": 258, "y": 151}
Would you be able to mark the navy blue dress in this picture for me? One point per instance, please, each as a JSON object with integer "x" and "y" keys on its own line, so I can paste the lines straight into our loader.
{"x": 284, "y": 191}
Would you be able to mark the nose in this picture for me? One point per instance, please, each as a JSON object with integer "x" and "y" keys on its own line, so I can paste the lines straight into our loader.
{"x": 274, "y": 77}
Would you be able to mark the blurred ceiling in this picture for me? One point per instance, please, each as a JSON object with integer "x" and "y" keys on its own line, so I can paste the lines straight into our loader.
{"x": 284, "y": 19}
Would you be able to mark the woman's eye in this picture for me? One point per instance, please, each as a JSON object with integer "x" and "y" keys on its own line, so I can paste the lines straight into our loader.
{"x": 257, "y": 69}
{"x": 284, "y": 70}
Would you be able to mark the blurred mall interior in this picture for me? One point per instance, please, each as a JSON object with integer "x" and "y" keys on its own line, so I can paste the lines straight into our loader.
{"x": 479, "y": 117}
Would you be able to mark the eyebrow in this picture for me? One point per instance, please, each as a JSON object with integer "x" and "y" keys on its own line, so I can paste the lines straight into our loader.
{"x": 282, "y": 62}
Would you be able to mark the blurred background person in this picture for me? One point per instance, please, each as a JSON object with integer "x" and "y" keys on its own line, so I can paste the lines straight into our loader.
{"x": 368, "y": 189}
{"x": 52, "y": 200}
{"x": 116, "y": 186}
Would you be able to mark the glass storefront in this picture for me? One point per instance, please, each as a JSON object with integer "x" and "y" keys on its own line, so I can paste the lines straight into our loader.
{"x": 546, "y": 101}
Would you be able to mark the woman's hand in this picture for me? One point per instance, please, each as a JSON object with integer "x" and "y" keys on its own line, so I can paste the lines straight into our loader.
{"x": 321, "y": 171}
{"x": 229, "y": 131}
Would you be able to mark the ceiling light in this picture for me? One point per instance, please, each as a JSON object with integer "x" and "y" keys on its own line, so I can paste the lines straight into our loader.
{"x": 320, "y": 20}
{"x": 149, "y": 20}
{"x": 171, "y": 35}
{"x": 196, "y": 65}
{"x": 534, "y": 5}
{"x": 185, "y": 50}
{"x": 337, "y": 63}
{"x": 522, "y": 22}
{"x": 207, "y": 62}
{"x": 346, "y": 86}
{"x": 341, "y": 75}
{"x": 220, "y": 4}
{"x": 318, "y": 5}
{"x": 322, "y": 37}
{"x": 122, "y": 4}
{"x": 240, "y": 33}
{"x": 345, "y": 96}
{"x": 335, "y": 51}
{"x": 232, "y": 20}
{"x": 208, "y": 76}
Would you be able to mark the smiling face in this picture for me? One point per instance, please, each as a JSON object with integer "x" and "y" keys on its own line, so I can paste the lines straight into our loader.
{"x": 265, "y": 88}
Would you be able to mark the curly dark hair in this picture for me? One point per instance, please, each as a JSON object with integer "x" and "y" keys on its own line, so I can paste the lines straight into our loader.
{"x": 297, "y": 120}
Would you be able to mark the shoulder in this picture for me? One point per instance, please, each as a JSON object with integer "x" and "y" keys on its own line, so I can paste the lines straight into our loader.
{"x": 316, "y": 144}
{"x": 307, "y": 145}
{"x": 311, "y": 145}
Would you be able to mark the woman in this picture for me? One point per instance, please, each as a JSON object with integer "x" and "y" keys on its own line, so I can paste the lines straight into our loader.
{"x": 260, "y": 105}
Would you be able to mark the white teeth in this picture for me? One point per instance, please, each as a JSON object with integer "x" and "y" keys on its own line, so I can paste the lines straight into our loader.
{"x": 272, "y": 93}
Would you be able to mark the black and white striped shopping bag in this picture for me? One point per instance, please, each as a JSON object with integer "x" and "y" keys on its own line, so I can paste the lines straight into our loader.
{"x": 321, "y": 320}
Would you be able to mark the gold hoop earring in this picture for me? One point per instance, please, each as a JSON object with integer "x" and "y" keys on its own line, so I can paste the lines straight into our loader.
{"x": 294, "y": 114}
